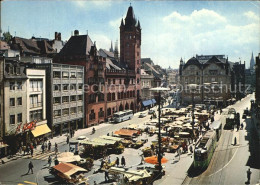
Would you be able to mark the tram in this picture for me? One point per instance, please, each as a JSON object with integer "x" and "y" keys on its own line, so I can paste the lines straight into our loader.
{"x": 204, "y": 150}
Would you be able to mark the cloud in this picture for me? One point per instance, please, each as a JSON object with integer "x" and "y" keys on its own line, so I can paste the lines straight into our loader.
{"x": 251, "y": 15}
{"x": 115, "y": 23}
{"x": 201, "y": 32}
{"x": 102, "y": 41}
{"x": 94, "y": 4}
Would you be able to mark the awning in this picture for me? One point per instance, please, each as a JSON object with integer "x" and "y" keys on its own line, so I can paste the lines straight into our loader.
{"x": 3, "y": 145}
{"x": 40, "y": 130}
{"x": 153, "y": 101}
{"x": 147, "y": 102}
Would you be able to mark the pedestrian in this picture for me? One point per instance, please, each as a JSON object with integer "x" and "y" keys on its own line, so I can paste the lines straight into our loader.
{"x": 56, "y": 162}
{"x": 123, "y": 161}
{"x": 34, "y": 144}
{"x": 242, "y": 126}
{"x": 107, "y": 134}
{"x": 102, "y": 164}
{"x": 45, "y": 146}
{"x": 27, "y": 149}
{"x": 30, "y": 167}
{"x": 191, "y": 149}
{"x": 68, "y": 139}
{"x": 248, "y": 175}
{"x": 49, "y": 161}
{"x": 106, "y": 176}
{"x": 71, "y": 133}
{"x": 42, "y": 147}
{"x": 108, "y": 160}
{"x": 31, "y": 151}
{"x": 49, "y": 146}
{"x": 142, "y": 158}
{"x": 151, "y": 117}
{"x": 117, "y": 161}
{"x": 235, "y": 141}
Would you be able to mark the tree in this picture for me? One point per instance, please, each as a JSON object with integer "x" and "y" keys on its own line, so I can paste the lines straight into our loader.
{"x": 7, "y": 36}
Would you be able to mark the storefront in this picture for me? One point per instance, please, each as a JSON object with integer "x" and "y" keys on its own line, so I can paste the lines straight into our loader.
{"x": 40, "y": 133}
{"x": 3, "y": 149}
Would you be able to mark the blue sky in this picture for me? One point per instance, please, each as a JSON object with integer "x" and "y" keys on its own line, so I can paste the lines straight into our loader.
{"x": 170, "y": 29}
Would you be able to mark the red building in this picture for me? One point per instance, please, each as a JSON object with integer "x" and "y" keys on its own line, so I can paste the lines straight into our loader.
{"x": 111, "y": 84}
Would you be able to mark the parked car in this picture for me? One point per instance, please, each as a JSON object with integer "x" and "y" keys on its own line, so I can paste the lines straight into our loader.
{"x": 142, "y": 115}
{"x": 151, "y": 111}
{"x": 82, "y": 138}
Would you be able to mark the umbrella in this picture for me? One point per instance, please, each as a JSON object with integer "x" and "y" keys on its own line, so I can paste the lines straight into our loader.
{"x": 154, "y": 160}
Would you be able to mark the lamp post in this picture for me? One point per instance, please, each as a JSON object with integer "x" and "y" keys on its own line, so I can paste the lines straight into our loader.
{"x": 159, "y": 90}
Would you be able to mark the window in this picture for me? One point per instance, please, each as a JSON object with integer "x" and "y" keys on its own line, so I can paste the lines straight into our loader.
{"x": 65, "y": 87}
{"x": 100, "y": 97}
{"x": 137, "y": 80}
{"x": 137, "y": 61}
{"x": 101, "y": 113}
{"x": 80, "y": 109}
{"x": 12, "y": 119}
{"x": 114, "y": 81}
{"x": 80, "y": 75}
{"x": 36, "y": 85}
{"x": 56, "y": 87}
{"x": 92, "y": 115}
{"x": 80, "y": 97}
{"x": 92, "y": 98}
{"x": 73, "y": 98}
{"x": 35, "y": 101}
{"x": 12, "y": 86}
{"x": 137, "y": 53}
{"x": 73, "y": 110}
{"x": 113, "y": 96}
{"x": 72, "y": 74}
{"x": 12, "y": 102}
{"x": 109, "y": 81}
{"x": 57, "y": 113}
{"x": 19, "y": 101}
{"x": 73, "y": 87}
{"x": 65, "y": 74}
{"x": 109, "y": 111}
{"x": 65, "y": 112}
{"x": 65, "y": 99}
{"x": 120, "y": 81}
{"x": 56, "y": 74}
{"x": 80, "y": 86}
{"x": 19, "y": 118}
{"x": 19, "y": 85}
{"x": 57, "y": 100}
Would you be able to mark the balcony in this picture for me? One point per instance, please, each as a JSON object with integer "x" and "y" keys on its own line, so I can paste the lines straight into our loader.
{"x": 35, "y": 105}
{"x": 57, "y": 120}
{"x": 65, "y": 105}
{"x": 65, "y": 117}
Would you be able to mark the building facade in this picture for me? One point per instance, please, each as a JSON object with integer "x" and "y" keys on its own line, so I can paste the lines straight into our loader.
{"x": 211, "y": 76}
{"x": 1, "y": 98}
{"x": 238, "y": 79}
{"x": 257, "y": 90}
{"x": 64, "y": 97}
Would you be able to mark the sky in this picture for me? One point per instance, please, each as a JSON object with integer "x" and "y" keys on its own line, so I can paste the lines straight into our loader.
{"x": 171, "y": 30}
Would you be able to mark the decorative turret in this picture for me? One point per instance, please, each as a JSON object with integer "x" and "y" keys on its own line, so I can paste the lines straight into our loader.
{"x": 116, "y": 53}
{"x": 111, "y": 48}
{"x": 252, "y": 63}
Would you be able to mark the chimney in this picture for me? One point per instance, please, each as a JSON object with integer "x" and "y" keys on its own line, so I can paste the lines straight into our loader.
{"x": 59, "y": 36}
{"x": 76, "y": 33}
{"x": 56, "y": 36}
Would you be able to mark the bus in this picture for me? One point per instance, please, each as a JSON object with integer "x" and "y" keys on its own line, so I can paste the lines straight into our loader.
{"x": 217, "y": 126}
{"x": 122, "y": 116}
{"x": 204, "y": 150}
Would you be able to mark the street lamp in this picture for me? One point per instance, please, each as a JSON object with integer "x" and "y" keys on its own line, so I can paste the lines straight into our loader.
{"x": 159, "y": 90}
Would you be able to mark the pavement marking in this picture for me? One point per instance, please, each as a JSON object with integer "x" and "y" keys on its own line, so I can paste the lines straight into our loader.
{"x": 28, "y": 182}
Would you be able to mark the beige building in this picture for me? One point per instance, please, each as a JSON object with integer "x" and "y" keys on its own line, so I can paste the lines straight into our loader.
{"x": 147, "y": 82}
{"x": 211, "y": 75}
{"x": 36, "y": 94}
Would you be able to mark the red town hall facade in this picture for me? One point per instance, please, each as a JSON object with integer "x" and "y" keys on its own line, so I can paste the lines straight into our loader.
{"x": 111, "y": 84}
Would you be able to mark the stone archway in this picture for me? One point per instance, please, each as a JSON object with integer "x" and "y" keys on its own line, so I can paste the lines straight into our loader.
{"x": 126, "y": 106}
{"x": 132, "y": 106}
{"x": 121, "y": 107}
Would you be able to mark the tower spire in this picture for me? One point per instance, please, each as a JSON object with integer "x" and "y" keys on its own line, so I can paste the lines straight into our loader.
{"x": 111, "y": 48}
